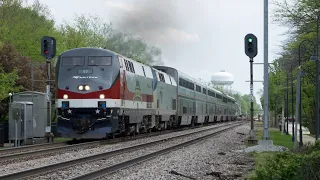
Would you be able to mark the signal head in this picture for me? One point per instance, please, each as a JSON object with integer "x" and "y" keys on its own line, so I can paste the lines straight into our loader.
{"x": 251, "y": 45}
{"x": 48, "y": 47}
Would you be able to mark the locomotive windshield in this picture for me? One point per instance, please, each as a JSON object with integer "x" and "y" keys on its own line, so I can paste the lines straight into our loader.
{"x": 72, "y": 61}
{"x": 99, "y": 60}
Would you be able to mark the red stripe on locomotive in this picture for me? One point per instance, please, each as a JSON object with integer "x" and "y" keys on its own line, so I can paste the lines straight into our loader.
{"x": 111, "y": 93}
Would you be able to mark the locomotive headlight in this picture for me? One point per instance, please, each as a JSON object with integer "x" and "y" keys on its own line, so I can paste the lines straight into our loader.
{"x": 87, "y": 87}
{"x": 65, "y": 96}
{"x": 101, "y": 96}
{"x": 80, "y": 88}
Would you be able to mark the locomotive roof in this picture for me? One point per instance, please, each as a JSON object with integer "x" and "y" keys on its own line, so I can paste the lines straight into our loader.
{"x": 179, "y": 72}
{"x": 90, "y": 49}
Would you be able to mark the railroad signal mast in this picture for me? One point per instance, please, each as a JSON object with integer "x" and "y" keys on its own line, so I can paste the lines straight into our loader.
{"x": 251, "y": 50}
{"x": 48, "y": 51}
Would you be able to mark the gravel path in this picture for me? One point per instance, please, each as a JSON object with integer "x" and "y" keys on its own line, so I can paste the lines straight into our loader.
{"x": 206, "y": 160}
{"x": 16, "y": 167}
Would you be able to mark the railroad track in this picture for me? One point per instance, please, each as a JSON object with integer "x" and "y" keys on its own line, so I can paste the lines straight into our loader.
{"x": 106, "y": 155}
{"x": 14, "y": 150}
{"x": 34, "y": 151}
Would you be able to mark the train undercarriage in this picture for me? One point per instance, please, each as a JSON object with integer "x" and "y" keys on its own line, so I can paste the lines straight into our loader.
{"x": 95, "y": 123}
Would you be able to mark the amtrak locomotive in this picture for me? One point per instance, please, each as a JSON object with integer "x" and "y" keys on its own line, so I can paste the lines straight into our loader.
{"x": 100, "y": 93}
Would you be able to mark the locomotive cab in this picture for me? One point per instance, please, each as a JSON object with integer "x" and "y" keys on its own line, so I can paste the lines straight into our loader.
{"x": 87, "y": 92}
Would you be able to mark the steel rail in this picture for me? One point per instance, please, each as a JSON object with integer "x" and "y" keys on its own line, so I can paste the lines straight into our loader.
{"x": 62, "y": 148}
{"x": 65, "y": 164}
{"x": 110, "y": 169}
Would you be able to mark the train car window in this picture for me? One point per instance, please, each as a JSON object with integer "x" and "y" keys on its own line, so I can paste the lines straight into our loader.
{"x": 218, "y": 96}
{"x": 73, "y": 61}
{"x": 198, "y": 88}
{"x": 204, "y": 91}
{"x": 174, "y": 104}
{"x": 100, "y": 61}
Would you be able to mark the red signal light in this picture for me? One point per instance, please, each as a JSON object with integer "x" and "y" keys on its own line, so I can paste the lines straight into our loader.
{"x": 46, "y": 51}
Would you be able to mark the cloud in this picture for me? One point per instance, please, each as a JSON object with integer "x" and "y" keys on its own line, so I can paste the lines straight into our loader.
{"x": 119, "y": 5}
{"x": 157, "y": 21}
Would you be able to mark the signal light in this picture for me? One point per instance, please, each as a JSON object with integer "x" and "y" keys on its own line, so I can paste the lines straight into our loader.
{"x": 48, "y": 47}
{"x": 251, "y": 45}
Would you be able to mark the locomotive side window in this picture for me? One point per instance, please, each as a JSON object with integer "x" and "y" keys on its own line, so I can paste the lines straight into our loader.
{"x": 100, "y": 61}
{"x": 161, "y": 77}
{"x": 73, "y": 61}
{"x": 129, "y": 66}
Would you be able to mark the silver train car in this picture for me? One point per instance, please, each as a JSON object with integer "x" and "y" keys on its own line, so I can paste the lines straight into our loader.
{"x": 100, "y": 93}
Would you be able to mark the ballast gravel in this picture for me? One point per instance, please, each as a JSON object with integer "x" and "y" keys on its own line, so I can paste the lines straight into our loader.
{"x": 98, "y": 164}
{"x": 213, "y": 158}
{"x": 22, "y": 166}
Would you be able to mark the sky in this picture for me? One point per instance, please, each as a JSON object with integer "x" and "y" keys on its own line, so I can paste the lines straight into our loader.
{"x": 197, "y": 37}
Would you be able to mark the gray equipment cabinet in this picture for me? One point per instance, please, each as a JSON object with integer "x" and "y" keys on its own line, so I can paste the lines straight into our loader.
{"x": 39, "y": 112}
{"x": 20, "y": 123}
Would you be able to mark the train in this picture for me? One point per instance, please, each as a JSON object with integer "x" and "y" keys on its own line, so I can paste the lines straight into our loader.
{"x": 100, "y": 94}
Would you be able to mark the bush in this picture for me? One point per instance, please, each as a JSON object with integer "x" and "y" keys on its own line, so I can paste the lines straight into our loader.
{"x": 288, "y": 165}
{"x": 281, "y": 166}
{"x": 310, "y": 166}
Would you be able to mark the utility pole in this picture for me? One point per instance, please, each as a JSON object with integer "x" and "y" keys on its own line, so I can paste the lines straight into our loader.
{"x": 287, "y": 132}
{"x": 317, "y": 77}
{"x": 266, "y": 74}
{"x": 292, "y": 113}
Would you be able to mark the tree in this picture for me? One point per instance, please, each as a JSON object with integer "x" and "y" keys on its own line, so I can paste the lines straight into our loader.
{"x": 17, "y": 68}
{"x": 25, "y": 26}
{"x": 7, "y": 83}
{"x": 300, "y": 18}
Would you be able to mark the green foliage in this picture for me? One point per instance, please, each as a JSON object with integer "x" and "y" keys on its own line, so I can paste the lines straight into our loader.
{"x": 280, "y": 166}
{"x": 288, "y": 165}
{"x": 301, "y": 18}
{"x": 7, "y": 83}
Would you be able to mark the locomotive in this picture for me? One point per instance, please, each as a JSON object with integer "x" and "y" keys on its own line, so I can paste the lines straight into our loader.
{"x": 100, "y": 93}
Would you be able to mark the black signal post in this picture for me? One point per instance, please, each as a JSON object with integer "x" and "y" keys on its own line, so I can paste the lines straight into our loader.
{"x": 251, "y": 50}
{"x": 48, "y": 51}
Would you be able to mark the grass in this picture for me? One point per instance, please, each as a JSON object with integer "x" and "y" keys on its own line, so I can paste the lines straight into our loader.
{"x": 277, "y": 138}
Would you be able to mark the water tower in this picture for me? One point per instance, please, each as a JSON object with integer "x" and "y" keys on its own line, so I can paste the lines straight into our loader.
{"x": 223, "y": 79}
